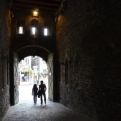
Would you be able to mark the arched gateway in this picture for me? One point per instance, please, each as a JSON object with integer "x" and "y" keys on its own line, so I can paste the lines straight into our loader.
{"x": 33, "y": 36}
{"x": 31, "y": 50}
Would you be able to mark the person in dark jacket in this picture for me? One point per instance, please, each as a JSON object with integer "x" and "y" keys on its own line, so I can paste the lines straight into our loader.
{"x": 34, "y": 93}
{"x": 42, "y": 89}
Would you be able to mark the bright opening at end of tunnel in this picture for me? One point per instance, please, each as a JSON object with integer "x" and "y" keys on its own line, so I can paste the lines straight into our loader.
{"x": 32, "y": 69}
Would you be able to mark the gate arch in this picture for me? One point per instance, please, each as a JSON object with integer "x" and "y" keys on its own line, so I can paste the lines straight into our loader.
{"x": 32, "y": 50}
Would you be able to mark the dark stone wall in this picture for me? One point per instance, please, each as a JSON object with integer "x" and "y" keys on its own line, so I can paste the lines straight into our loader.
{"x": 4, "y": 55}
{"x": 89, "y": 51}
{"x": 4, "y": 102}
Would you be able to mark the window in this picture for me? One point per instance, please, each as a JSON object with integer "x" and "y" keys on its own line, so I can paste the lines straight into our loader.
{"x": 33, "y": 31}
{"x": 20, "y": 27}
{"x": 34, "y": 28}
{"x": 45, "y": 31}
{"x": 20, "y": 30}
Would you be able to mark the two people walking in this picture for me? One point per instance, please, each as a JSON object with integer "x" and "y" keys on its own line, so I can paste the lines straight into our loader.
{"x": 41, "y": 92}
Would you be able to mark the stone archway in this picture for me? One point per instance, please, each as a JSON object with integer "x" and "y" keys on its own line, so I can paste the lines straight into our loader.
{"x": 31, "y": 51}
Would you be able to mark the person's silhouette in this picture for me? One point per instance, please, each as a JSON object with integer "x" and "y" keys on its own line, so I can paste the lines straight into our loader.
{"x": 42, "y": 89}
{"x": 34, "y": 93}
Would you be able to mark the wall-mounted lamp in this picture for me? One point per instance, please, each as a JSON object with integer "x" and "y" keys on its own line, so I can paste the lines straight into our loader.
{"x": 35, "y": 12}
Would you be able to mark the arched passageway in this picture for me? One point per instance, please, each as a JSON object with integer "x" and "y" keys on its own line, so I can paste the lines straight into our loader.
{"x": 17, "y": 57}
{"x": 85, "y": 38}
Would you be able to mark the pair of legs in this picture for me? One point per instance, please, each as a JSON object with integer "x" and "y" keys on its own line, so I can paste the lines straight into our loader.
{"x": 35, "y": 98}
{"x": 41, "y": 98}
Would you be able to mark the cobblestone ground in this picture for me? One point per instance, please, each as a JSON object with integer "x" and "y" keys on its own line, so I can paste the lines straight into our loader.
{"x": 26, "y": 110}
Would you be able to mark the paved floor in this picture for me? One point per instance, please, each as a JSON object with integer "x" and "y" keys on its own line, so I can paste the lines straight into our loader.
{"x": 26, "y": 110}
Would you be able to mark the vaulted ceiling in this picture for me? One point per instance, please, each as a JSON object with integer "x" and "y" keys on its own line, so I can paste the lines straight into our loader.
{"x": 45, "y": 6}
